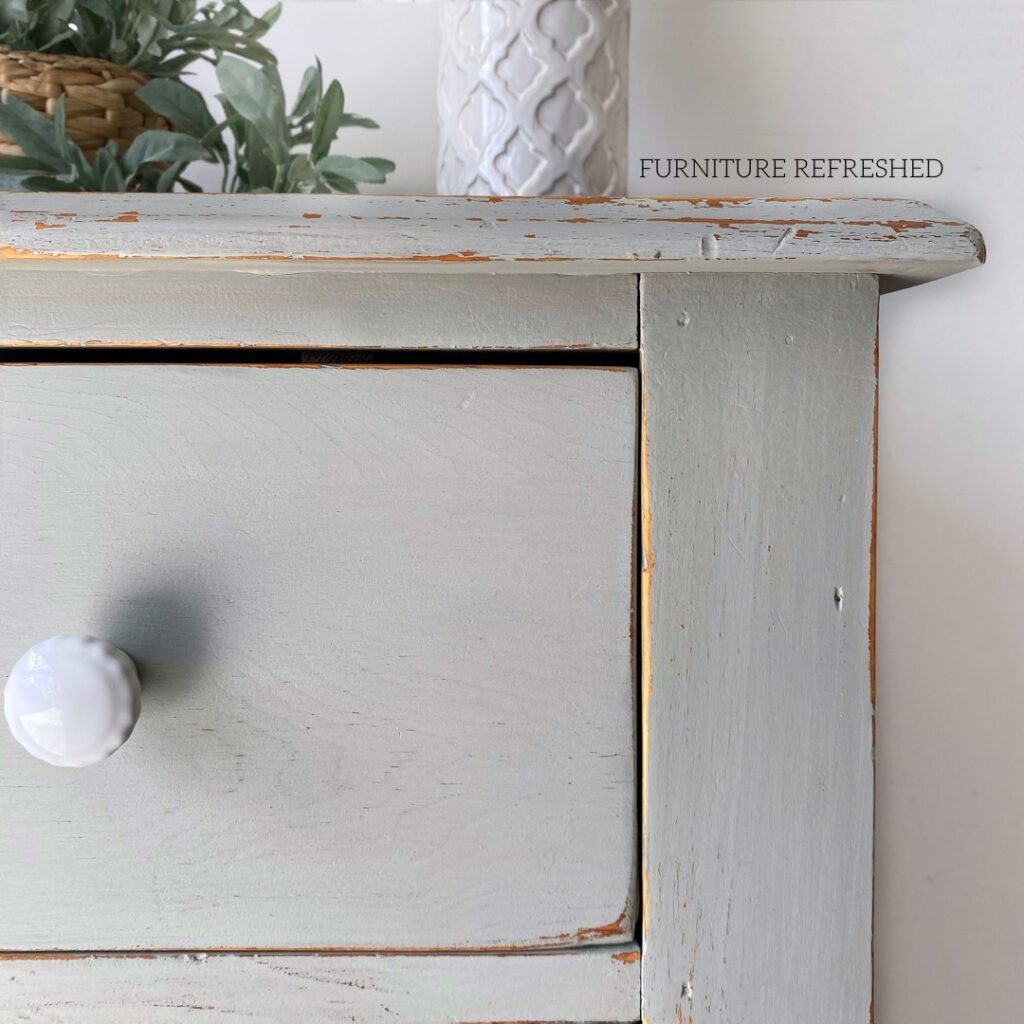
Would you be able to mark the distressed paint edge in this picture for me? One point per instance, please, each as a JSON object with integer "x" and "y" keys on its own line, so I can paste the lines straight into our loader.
{"x": 895, "y": 273}
{"x": 646, "y": 645}
{"x": 625, "y": 952}
{"x": 603, "y": 982}
{"x": 872, "y": 652}
{"x": 930, "y": 244}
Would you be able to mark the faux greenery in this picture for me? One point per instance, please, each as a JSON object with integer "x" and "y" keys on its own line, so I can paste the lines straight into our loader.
{"x": 158, "y": 37}
{"x": 54, "y": 163}
{"x": 276, "y": 150}
{"x": 261, "y": 144}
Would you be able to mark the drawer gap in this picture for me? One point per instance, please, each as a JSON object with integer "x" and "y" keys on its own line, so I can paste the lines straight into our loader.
{"x": 321, "y": 357}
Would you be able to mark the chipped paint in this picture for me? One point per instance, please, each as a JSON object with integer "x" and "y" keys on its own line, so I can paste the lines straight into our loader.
{"x": 128, "y": 217}
{"x": 736, "y": 232}
{"x": 582, "y": 936}
{"x": 62, "y": 954}
{"x": 549, "y": 947}
{"x": 646, "y": 637}
{"x": 872, "y": 589}
{"x": 973, "y": 236}
{"x": 587, "y": 200}
{"x": 873, "y": 550}
{"x": 719, "y": 202}
{"x": 630, "y": 956}
{"x": 620, "y": 926}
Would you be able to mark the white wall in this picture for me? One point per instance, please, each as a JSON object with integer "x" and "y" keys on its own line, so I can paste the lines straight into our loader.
{"x": 836, "y": 77}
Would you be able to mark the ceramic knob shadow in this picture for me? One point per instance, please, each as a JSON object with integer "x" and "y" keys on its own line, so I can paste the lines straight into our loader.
{"x": 71, "y": 701}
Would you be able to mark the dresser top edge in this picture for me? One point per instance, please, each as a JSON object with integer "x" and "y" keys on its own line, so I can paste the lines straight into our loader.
{"x": 903, "y": 241}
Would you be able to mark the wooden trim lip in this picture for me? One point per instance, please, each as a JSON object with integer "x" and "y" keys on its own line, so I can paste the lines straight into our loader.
{"x": 903, "y": 241}
{"x": 626, "y": 952}
{"x": 572, "y": 987}
{"x": 204, "y": 304}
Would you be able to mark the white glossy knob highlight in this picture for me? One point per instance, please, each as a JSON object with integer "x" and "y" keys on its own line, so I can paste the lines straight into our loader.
{"x": 72, "y": 700}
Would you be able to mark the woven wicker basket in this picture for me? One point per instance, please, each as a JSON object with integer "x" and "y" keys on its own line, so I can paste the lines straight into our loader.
{"x": 99, "y": 100}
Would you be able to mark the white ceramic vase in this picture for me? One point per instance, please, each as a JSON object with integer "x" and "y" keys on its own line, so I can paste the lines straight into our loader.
{"x": 533, "y": 97}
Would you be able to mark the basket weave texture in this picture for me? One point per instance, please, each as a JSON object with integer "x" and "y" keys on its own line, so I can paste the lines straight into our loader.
{"x": 99, "y": 100}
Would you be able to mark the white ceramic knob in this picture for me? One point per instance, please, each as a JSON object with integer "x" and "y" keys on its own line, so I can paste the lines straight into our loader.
{"x": 72, "y": 700}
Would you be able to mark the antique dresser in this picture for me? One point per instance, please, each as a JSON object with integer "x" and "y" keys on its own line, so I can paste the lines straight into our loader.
{"x": 499, "y": 578}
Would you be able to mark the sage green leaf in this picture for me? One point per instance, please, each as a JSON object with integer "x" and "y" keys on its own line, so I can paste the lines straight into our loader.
{"x": 212, "y": 138}
{"x": 338, "y": 183}
{"x": 148, "y": 28}
{"x": 301, "y": 171}
{"x": 46, "y": 184}
{"x": 76, "y": 158}
{"x": 168, "y": 177}
{"x": 13, "y": 16}
{"x": 113, "y": 179}
{"x": 310, "y": 92}
{"x": 31, "y": 131}
{"x": 254, "y": 96}
{"x": 260, "y": 167}
{"x": 382, "y": 165}
{"x": 55, "y": 20}
{"x": 162, "y": 147}
{"x": 269, "y": 17}
{"x": 180, "y": 104}
{"x": 355, "y": 121}
{"x": 60, "y": 126}
{"x": 20, "y": 163}
{"x": 172, "y": 67}
{"x": 105, "y": 159}
{"x": 352, "y": 168}
{"x": 328, "y": 120}
{"x": 273, "y": 76}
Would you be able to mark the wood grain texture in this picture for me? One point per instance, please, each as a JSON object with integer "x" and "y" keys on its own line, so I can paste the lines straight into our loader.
{"x": 758, "y": 405}
{"x": 71, "y": 303}
{"x": 591, "y": 985}
{"x": 383, "y": 622}
{"x": 900, "y": 240}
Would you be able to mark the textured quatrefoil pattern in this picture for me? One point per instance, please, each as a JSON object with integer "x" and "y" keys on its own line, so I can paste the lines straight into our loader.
{"x": 533, "y": 96}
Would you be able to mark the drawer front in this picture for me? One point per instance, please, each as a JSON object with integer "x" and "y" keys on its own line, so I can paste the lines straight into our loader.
{"x": 383, "y": 619}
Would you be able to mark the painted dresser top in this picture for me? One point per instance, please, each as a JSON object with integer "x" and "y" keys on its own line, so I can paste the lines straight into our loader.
{"x": 904, "y": 242}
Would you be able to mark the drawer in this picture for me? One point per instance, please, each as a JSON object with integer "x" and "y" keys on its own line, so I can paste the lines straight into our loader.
{"x": 384, "y": 623}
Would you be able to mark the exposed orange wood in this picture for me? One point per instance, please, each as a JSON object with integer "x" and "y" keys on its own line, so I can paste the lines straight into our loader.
{"x": 128, "y": 217}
